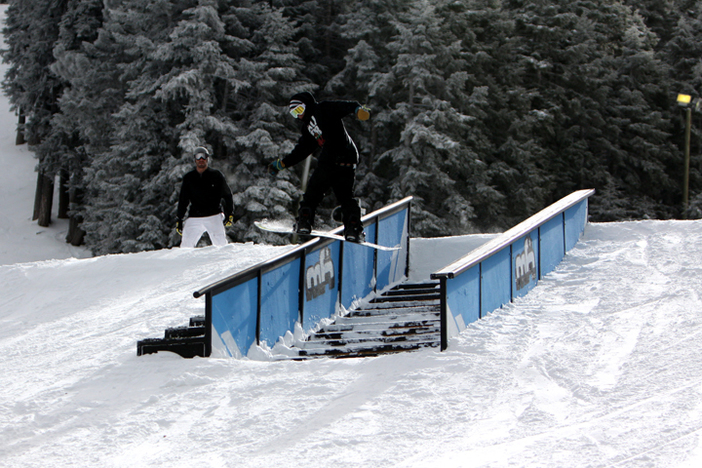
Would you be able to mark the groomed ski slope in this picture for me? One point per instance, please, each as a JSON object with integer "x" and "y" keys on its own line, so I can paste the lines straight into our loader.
{"x": 598, "y": 366}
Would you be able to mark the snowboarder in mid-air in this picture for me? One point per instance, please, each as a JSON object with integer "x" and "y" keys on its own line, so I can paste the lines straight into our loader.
{"x": 321, "y": 126}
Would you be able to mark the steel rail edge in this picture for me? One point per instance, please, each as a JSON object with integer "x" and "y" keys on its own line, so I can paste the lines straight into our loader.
{"x": 508, "y": 237}
{"x": 283, "y": 258}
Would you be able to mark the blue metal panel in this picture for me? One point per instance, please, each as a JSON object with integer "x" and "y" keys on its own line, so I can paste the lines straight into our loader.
{"x": 496, "y": 283}
{"x": 279, "y": 301}
{"x": 552, "y": 249}
{"x": 358, "y": 265}
{"x": 463, "y": 297}
{"x": 234, "y": 318}
{"x": 321, "y": 284}
{"x": 525, "y": 253}
{"x": 575, "y": 219}
{"x": 392, "y": 231}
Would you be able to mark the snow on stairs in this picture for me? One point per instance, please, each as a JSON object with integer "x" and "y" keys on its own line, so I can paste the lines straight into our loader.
{"x": 405, "y": 318}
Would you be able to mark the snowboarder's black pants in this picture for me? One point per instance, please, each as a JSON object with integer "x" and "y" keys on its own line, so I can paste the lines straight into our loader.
{"x": 340, "y": 179}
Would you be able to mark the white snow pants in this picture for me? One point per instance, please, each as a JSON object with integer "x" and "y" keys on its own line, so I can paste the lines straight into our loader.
{"x": 194, "y": 228}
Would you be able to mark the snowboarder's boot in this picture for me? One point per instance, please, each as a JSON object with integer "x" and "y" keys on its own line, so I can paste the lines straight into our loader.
{"x": 353, "y": 230}
{"x": 303, "y": 226}
{"x": 353, "y": 227}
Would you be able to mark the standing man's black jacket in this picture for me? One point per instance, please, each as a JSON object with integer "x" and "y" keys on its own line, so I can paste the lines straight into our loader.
{"x": 322, "y": 127}
{"x": 205, "y": 193}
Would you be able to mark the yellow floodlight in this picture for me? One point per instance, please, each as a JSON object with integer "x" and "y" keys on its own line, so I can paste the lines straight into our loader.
{"x": 684, "y": 99}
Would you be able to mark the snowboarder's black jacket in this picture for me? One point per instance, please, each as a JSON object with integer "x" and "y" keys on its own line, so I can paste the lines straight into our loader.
{"x": 322, "y": 127}
{"x": 207, "y": 194}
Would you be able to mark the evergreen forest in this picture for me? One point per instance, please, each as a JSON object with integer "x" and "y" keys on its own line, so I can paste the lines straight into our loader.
{"x": 485, "y": 111}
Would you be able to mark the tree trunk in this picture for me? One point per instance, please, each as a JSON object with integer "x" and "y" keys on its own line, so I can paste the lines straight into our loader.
{"x": 19, "y": 140}
{"x": 75, "y": 234}
{"x": 46, "y": 200}
{"x": 37, "y": 195}
{"x": 64, "y": 199}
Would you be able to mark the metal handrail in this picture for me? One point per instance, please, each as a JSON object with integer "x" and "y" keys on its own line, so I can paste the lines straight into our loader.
{"x": 268, "y": 265}
{"x": 508, "y": 237}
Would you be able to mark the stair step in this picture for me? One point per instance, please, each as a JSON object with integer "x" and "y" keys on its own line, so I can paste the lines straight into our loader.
{"x": 431, "y": 284}
{"x": 372, "y": 340}
{"x": 197, "y": 321}
{"x": 366, "y": 351}
{"x": 381, "y": 321}
{"x": 411, "y": 333}
{"x": 353, "y": 332}
{"x": 424, "y": 309}
{"x": 406, "y": 298}
{"x": 400, "y": 306}
{"x": 397, "y": 313}
{"x": 184, "y": 332}
{"x": 411, "y": 292}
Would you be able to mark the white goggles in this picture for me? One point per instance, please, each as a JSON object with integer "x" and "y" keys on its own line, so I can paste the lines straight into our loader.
{"x": 297, "y": 108}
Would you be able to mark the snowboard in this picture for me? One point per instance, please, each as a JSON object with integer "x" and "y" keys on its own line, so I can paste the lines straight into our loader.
{"x": 282, "y": 228}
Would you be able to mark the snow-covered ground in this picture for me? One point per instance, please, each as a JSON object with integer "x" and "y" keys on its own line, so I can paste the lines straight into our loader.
{"x": 599, "y": 366}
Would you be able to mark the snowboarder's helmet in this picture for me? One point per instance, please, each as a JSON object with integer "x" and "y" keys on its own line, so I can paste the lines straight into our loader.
{"x": 297, "y": 108}
{"x": 201, "y": 153}
{"x": 301, "y": 102}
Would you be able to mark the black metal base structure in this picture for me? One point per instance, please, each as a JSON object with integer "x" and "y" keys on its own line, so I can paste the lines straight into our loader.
{"x": 187, "y": 342}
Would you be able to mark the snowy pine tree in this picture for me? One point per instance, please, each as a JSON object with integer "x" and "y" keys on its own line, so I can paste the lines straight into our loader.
{"x": 419, "y": 101}
{"x": 31, "y": 31}
{"x": 85, "y": 105}
{"x": 269, "y": 71}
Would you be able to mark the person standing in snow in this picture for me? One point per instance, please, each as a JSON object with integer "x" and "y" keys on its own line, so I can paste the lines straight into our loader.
{"x": 206, "y": 191}
{"x": 321, "y": 125}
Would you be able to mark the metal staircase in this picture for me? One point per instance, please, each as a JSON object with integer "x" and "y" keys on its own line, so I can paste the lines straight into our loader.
{"x": 405, "y": 318}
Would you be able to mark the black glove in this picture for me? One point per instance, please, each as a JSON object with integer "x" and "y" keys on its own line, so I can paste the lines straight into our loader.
{"x": 275, "y": 167}
{"x": 179, "y": 226}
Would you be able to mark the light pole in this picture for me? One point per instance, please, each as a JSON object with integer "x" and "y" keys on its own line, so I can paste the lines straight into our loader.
{"x": 686, "y": 101}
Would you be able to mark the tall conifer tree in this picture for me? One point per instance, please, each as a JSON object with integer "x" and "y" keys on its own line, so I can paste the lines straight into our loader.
{"x": 31, "y": 31}
{"x": 415, "y": 96}
{"x": 269, "y": 72}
